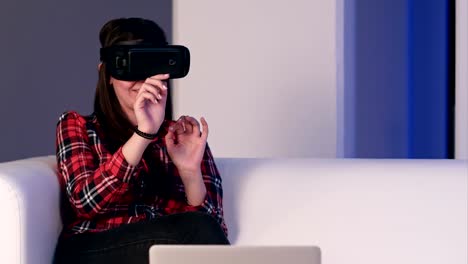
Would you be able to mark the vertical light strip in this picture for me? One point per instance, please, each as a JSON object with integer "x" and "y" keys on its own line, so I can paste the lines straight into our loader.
{"x": 461, "y": 91}
{"x": 340, "y": 98}
{"x": 346, "y": 78}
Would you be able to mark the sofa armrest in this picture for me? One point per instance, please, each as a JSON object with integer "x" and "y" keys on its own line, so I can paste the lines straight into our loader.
{"x": 29, "y": 200}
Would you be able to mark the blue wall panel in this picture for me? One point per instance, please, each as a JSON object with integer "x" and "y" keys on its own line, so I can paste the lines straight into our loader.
{"x": 428, "y": 51}
{"x": 396, "y": 79}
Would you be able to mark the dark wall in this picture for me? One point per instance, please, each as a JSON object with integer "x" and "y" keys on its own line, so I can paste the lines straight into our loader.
{"x": 49, "y": 56}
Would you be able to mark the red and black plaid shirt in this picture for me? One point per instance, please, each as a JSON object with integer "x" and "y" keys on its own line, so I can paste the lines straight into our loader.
{"x": 103, "y": 191}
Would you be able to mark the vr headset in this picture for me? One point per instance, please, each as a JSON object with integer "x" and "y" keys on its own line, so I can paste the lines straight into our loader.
{"x": 140, "y": 61}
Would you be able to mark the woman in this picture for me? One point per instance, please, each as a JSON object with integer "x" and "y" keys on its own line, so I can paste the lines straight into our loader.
{"x": 130, "y": 177}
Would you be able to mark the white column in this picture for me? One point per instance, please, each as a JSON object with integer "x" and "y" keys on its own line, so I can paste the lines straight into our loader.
{"x": 263, "y": 73}
{"x": 461, "y": 100}
{"x": 340, "y": 77}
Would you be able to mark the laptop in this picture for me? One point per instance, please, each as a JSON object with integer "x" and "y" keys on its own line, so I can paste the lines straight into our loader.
{"x": 229, "y": 254}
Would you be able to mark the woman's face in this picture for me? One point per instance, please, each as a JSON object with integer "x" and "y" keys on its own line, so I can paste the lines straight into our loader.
{"x": 126, "y": 92}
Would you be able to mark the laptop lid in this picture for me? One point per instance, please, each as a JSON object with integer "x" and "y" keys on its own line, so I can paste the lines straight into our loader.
{"x": 228, "y": 254}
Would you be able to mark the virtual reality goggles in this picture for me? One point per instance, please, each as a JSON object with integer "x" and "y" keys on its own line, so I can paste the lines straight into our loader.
{"x": 140, "y": 61}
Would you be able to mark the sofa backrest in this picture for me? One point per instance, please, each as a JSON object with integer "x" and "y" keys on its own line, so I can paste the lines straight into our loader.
{"x": 356, "y": 211}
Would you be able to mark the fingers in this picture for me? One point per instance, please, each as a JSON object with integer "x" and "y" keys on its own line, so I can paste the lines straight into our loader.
{"x": 160, "y": 77}
{"x": 170, "y": 139}
{"x": 161, "y": 85}
{"x": 149, "y": 96}
{"x": 189, "y": 125}
{"x": 204, "y": 135}
{"x": 151, "y": 93}
{"x": 178, "y": 128}
{"x": 144, "y": 96}
{"x": 157, "y": 84}
{"x": 159, "y": 90}
{"x": 184, "y": 126}
{"x": 193, "y": 125}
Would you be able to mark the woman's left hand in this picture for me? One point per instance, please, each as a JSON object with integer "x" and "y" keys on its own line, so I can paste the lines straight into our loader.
{"x": 186, "y": 146}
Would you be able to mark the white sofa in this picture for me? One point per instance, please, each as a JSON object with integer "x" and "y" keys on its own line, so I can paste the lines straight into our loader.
{"x": 356, "y": 211}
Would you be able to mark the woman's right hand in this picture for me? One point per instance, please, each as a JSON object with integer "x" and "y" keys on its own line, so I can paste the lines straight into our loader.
{"x": 150, "y": 103}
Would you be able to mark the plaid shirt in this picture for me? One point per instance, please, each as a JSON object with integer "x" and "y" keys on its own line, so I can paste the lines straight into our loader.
{"x": 103, "y": 191}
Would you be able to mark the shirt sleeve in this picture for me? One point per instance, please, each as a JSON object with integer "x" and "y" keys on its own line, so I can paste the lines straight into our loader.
{"x": 91, "y": 188}
{"x": 213, "y": 203}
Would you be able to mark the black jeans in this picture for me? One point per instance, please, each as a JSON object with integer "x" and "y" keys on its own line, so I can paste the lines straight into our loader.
{"x": 130, "y": 243}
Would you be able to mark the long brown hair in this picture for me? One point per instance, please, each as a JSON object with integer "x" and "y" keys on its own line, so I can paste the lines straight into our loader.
{"x": 114, "y": 122}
